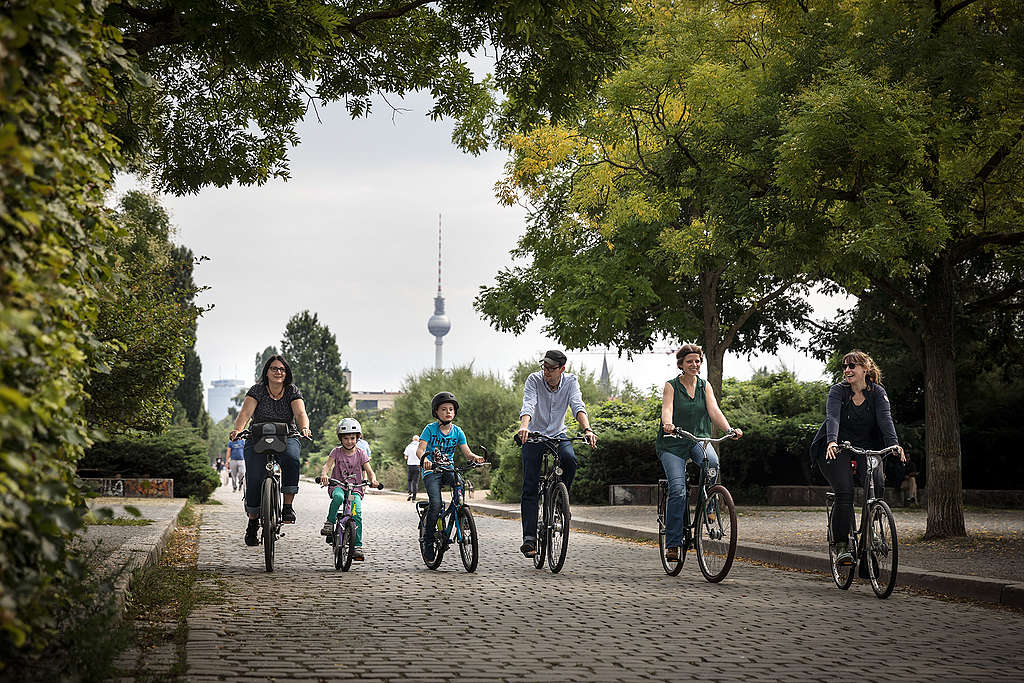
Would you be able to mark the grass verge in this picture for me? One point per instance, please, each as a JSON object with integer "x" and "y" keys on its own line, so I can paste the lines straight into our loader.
{"x": 163, "y": 596}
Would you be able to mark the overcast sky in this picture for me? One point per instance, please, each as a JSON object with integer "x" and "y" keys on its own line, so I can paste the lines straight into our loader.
{"x": 353, "y": 237}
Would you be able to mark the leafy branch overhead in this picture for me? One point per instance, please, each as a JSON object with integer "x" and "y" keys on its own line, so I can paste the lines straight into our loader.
{"x": 230, "y": 81}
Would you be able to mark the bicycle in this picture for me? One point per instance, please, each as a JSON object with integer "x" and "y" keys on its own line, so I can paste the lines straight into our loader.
{"x": 874, "y": 541}
{"x": 271, "y": 441}
{"x": 343, "y": 540}
{"x": 455, "y": 524}
{"x": 713, "y": 531}
{"x": 553, "y": 514}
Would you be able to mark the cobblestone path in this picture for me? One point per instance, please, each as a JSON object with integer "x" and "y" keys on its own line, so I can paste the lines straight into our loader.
{"x": 611, "y": 615}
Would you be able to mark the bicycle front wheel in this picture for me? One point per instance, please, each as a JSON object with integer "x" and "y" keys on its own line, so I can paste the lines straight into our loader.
{"x": 716, "y": 534}
{"x": 542, "y": 531}
{"x": 882, "y": 549}
{"x": 268, "y": 521}
{"x": 842, "y": 576}
{"x": 468, "y": 544}
{"x": 347, "y": 546}
{"x": 558, "y": 537}
{"x": 672, "y": 567}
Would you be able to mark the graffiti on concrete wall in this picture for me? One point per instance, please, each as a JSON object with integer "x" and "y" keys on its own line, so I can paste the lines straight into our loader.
{"x": 131, "y": 488}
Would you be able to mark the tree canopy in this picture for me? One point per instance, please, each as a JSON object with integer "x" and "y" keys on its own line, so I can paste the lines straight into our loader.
{"x": 312, "y": 351}
{"x": 226, "y": 83}
{"x": 652, "y": 214}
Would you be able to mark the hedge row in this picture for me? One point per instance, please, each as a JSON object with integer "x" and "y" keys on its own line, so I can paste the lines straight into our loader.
{"x": 174, "y": 454}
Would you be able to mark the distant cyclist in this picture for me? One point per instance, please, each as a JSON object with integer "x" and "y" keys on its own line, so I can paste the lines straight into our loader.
{"x": 687, "y": 401}
{"x": 273, "y": 399}
{"x": 857, "y": 410}
{"x": 235, "y": 453}
{"x": 547, "y": 394}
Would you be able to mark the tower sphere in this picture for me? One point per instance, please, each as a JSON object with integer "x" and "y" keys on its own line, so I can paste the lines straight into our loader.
{"x": 439, "y": 325}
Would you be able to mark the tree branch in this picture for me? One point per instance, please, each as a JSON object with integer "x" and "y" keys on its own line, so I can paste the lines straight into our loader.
{"x": 969, "y": 246}
{"x": 987, "y": 303}
{"x": 1000, "y": 154}
{"x": 942, "y": 17}
{"x": 735, "y": 328}
{"x": 385, "y": 14}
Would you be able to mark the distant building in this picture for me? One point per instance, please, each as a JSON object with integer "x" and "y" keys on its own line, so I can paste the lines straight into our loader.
{"x": 219, "y": 397}
{"x": 439, "y": 325}
{"x": 369, "y": 400}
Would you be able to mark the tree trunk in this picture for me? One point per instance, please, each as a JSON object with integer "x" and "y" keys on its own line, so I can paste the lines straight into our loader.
{"x": 942, "y": 415}
{"x": 714, "y": 349}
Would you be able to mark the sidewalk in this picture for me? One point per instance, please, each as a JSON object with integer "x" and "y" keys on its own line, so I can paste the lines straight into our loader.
{"x": 123, "y": 549}
{"x": 988, "y": 566}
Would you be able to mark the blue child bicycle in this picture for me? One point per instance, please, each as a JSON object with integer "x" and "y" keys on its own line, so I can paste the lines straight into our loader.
{"x": 454, "y": 525}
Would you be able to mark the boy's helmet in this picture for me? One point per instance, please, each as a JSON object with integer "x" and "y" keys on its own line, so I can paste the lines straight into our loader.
{"x": 349, "y": 425}
{"x": 443, "y": 397}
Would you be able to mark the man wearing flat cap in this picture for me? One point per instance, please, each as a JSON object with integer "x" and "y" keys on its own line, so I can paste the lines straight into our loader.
{"x": 546, "y": 396}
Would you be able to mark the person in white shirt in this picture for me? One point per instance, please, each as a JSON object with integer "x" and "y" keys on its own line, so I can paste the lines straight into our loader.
{"x": 412, "y": 460}
{"x": 547, "y": 395}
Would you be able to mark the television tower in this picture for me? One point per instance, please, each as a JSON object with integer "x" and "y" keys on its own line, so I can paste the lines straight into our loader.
{"x": 438, "y": 325}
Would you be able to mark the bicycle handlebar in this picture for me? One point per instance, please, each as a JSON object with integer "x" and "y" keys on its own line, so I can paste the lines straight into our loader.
{"x": 246, "y": 433}
{"x": 537, "y": 437}
{"x": 331, "y": 481}
{"x": 679, "y": 433}
{"x": 847, "y": 446}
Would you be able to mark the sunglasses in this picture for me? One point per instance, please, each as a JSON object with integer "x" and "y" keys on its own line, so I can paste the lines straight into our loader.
{"x": 849, "y": 366}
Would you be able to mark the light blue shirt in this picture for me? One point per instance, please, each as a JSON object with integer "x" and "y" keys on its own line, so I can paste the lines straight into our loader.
{"x": 546, "y": 408}
{"x": 363, "y": 445}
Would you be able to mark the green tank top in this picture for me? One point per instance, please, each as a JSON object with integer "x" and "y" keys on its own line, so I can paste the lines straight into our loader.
{"x": 689, "y": 413}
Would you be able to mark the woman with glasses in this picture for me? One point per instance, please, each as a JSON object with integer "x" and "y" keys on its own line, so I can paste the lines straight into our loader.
{"x": 689, "y": 402}
{"x": 857, "y": 410}
{"x": 273, "y": 399}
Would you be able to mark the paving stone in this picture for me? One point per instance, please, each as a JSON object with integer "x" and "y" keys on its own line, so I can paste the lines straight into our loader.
{"x": 612, "y": 614}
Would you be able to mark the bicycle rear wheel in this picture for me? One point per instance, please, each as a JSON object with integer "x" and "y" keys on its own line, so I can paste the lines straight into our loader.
{"x": 716, "y": 534}
{"x": 268, "y": 521}
{"x": 558, "y": 537}
{"x": 542, "y": 531}
{"x": 346, "y": 547}
{"x": 882, "y": 549}
{"x": 468, "y": 544}
{"x": 672, "y": 568}
{"x": 431, "y": 535}
{"x": 842, "y": 576}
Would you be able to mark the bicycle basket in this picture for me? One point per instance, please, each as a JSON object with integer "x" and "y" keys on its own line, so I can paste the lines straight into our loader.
{"x": 271, "y": 437}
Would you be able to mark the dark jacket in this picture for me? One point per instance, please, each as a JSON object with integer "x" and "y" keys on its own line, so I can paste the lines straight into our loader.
{"x": 884, "y": 432}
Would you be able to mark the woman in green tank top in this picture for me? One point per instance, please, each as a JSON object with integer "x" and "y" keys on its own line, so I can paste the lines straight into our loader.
{"x": 688, "y": 402}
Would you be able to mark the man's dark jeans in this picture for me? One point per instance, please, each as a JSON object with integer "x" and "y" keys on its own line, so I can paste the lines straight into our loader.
{"x": 532, "y": 456}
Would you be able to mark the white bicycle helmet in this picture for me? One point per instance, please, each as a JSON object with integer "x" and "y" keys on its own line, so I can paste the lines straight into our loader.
{"x": 349, "y": 425}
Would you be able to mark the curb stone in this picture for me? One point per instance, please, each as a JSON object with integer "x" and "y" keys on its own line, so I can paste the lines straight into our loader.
{"x": 995, "y": 591}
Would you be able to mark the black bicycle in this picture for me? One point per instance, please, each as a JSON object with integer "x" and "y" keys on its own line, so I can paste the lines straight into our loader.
{"x": 553, "y": 514}
{"x": 876, "y": 549}
{"x": 343, "y": 538}
{"x": 271, "y": 441}
{"x": 713, "y": 531}
{"x": 455, "y": 524}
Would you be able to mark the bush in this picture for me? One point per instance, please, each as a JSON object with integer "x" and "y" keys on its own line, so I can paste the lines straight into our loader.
{"x": 176, "y": 454}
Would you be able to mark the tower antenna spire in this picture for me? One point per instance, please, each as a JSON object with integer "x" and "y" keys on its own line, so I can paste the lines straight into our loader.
{"x": 438, "y": 325}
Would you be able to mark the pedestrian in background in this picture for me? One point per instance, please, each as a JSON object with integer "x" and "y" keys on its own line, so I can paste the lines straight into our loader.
{"x": 412, "y": 461}
{"x": 235, "y": 454}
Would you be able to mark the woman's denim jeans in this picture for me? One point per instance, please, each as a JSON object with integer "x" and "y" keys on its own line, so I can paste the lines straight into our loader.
{"x": 256, "y": 472}
{"x": 675, "y": 472}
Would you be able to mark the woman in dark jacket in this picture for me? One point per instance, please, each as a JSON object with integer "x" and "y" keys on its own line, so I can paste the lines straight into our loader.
{"x": 857, "y": 411}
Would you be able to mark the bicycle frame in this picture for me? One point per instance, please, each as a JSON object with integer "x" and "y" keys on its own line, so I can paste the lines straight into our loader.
{"x": 859, "y": 532}
{"x": 709, "y": 533}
